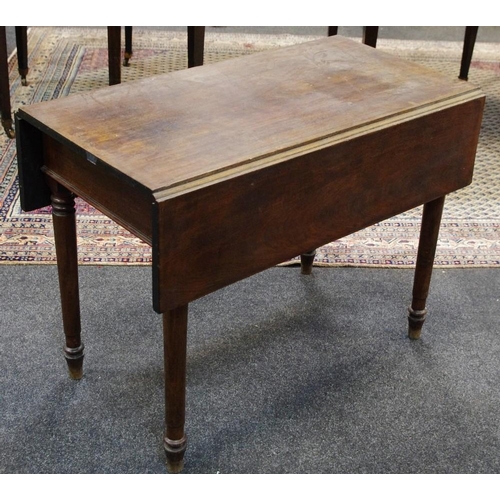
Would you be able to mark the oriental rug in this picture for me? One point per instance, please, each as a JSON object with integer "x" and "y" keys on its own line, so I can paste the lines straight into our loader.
{"x": 65, "y": 61}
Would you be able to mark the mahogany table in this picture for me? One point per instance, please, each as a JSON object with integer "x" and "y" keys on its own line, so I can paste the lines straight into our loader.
{"x": 231, "y": 168}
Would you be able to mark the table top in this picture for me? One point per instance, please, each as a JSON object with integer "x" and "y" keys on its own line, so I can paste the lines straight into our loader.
{"x": 170, "y": 131}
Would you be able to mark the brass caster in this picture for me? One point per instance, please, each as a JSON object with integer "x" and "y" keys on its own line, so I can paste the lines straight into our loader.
{"x": 9, "y": 130}
{"x": 126, "y": 60}
{"x": 175, "y": 467}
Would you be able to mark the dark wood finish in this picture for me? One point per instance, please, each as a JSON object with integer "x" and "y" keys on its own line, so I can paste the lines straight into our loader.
{"x": 469, "y": 42}
{"x": 128, "y": 46}
{"x": 5, "y": 107}
{"x": 333, "y": 30}
{"x": 174, "y": 350}
{"x": 231, "y": 168}
{"x": 431, "y": 220}
{"x": 114, "y": 54}
{"x": 196, "y": 45}
{"x": 370, "y": 35}
{"x": 306, "y": 262}
{"x": 63, "y": 216}
{"x": 34, "y": 192}
{"x": 22, "y": 52}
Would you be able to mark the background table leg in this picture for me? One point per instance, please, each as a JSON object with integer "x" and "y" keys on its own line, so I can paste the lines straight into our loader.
{"x": 196, "y": 45}
{"x": 370, "y": 35}
{"x": 174, "y": 342}
{"x": 128, "y": 46}
{"x": 114, "y": 54}
{"x": 468, "y": 49}
{"x": 431, "y": 220}
{"x": 22, "y": 52}
{"x": 306, "y": 262}
{"x": 63, "y": 216}
{"x": 5, "y": 108}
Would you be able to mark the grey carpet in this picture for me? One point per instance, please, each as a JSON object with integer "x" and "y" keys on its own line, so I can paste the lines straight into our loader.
{"x": 286, "y": 374}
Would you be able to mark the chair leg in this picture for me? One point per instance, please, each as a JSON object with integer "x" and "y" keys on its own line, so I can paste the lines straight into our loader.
{"x": 128, "y": 46}
{"x": 22, "y": 52}
{"x": 370, "y": 35}
{"x": 333, "y": 30}
{"x": 469, "y": 42}
{"x": 114, "y": 54}
{"x": 5, "y": 107}
{"x": 196, "y": 45}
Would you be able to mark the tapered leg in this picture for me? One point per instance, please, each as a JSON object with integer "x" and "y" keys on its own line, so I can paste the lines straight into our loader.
{"x": 5, "y": 108}
{"x": 196, "y": 45}
{"x": 429, "y": 232}
{"x": 333, "y": 30}
{"x": 306, "y": 262}
{"x": 174, "y": 346}
{"x": 22, "y": 52}
{"x": 128, "y": 45}
{"x": 370, "y": 35}
{"x": 469, "y": 42}
{"x": 114, "y": 54}
{"x": 63, "y": 216}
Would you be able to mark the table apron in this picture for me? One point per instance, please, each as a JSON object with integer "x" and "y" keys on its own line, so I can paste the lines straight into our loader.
{"x": 102, "y": 187}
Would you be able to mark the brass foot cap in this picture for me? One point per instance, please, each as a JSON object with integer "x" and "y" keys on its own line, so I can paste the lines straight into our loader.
{"x": 8, "y": 128}
{"x": 175, "y": 467}
{"x": 414, "y": 334}
{"x": 75, "y": 373}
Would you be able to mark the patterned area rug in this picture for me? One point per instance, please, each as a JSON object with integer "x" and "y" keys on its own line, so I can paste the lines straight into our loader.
{"x": 66, "y": 61}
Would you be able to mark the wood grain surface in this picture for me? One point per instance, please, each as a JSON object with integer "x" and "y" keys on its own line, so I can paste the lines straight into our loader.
{"x": 191, "y": 124}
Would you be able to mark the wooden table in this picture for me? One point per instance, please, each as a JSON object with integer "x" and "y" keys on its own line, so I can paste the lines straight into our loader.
{"x": 234, "y": 167}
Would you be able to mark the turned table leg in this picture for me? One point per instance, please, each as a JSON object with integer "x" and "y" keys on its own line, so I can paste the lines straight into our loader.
{"x": 174, "y": 347}
{"x": 63, "y": 217}
{"x": 431, "y": 220}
